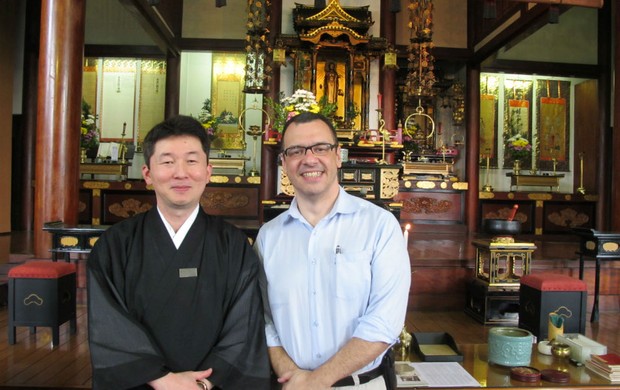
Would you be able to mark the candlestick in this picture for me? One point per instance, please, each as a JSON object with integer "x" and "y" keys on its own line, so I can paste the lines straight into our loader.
{"x": 581, "y": 189}
{"x": 406, "y": 235}
{"x": 487, "y": 187}
{"x": 380, "y": 100}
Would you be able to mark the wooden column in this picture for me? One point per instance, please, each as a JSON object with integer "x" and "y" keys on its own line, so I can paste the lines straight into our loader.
{"x": 58, "y": 117}
{"x": 473, "y": 147}
{"x": 29, "y": 107}
{"x": 173, "y": 85}
{"x": 615, "y": 157}
{"x": 268, "y": 164}
{"x": 387, "y": 82}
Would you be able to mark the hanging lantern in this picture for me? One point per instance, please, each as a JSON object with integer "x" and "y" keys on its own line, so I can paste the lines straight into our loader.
{"x": 390, "y": 59}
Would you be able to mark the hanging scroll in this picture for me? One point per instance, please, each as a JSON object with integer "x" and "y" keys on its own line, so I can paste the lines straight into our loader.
{"x": 517, "y": 116}
{"x": 553, "y": 111}
{"x": 488, "y": 118}
{"x": 488, "y": 126}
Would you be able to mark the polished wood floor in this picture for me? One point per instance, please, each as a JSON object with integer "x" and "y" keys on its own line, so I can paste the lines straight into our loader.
{"x": 32, "y": 363}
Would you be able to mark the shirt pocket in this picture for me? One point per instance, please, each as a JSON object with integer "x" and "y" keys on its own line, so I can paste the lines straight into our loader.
{"x": 353, "y": 274}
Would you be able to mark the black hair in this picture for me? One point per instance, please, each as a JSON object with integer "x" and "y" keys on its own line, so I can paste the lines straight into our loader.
{"x": 174, "y": 127}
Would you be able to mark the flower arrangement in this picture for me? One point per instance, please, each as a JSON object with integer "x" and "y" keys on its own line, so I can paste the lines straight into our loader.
{"x": 518, "y": 147}
{"x": 301, "y": 101}
{"x": 208, "y": 120}
{"x": 89, "y": 135}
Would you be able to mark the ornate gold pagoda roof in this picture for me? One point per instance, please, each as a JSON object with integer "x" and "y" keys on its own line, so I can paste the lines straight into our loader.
{"x": 334, "y": 29}
{"x": 334, "y": 11}
{"x": 337, "y": 23}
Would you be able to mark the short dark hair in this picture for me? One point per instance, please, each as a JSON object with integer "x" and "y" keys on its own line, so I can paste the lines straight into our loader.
{"x": 308, "y": 116}
{"x": 174, "y": 127}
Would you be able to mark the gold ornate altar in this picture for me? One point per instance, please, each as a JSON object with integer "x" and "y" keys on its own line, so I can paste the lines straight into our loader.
{"x": 331, "y": 53}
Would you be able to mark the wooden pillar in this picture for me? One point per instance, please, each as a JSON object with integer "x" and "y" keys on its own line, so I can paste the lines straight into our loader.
{"x": 173, "y": 85}
{"x": 268, "y": 162}
{"x": 473, "y": 147}
{"x": 58, "y": 120}
{"x": 29, "y": 107}
{"x": 387, "y": 82}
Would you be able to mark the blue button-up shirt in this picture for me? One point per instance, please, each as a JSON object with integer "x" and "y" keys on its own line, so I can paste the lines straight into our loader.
{"x": 348, "y": 276}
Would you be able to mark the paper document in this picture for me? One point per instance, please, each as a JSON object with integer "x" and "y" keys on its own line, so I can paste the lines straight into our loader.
{"x": 449, "y": 374}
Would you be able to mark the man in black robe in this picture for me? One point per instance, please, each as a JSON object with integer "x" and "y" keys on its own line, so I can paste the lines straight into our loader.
{"x": 173, "y": 299}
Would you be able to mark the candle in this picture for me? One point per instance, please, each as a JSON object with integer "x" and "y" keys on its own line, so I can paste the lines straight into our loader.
{"x": 380, "y": 99}
{"x": 406, "y": 235}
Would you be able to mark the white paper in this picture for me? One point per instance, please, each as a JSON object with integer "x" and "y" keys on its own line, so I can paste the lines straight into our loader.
{"x": 449, "y": 374}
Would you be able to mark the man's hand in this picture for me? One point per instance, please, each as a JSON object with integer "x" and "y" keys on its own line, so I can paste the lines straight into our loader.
{"x": 182, "y": 380}
{"x": 302, "y": 380}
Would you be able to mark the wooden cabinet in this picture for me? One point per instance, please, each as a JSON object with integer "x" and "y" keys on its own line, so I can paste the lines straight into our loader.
{"x": 541, "y": 212}
{"x": 106, "y": 202}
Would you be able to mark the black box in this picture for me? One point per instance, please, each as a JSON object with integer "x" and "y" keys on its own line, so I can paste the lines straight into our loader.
{"x": 536, "y": 305}
{"x": 443, "y": 341}
{"x": 37, "y": 302}
{"x": 492, "y": 305}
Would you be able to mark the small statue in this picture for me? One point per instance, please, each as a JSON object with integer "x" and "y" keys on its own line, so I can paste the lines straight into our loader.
{"x": 405, "y": 342}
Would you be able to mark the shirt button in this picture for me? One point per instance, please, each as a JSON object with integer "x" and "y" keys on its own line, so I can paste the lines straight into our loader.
{"x": 316, "y": 324}
{"x": 318, "y": 355}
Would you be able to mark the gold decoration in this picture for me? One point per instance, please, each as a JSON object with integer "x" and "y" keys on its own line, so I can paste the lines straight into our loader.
{"x": 486, "y": 195}
{"x": 427, "y": 185}
{"x": 96, "y": 193}
{"x": 129, "y": 207}
{"x": 92, "y": 241}
{"x": 539, "y": 196}
{"x": 224, "y": 200}
{"x": 96, "y": 184}
{"x": 389, "y": 183}
{"x": 461, "y": 185}
{"x": 219, "y": 179}
{"x": 568, "y": 217}
{"x": 254, "y": 180}
{"x": 128, "y": 186}
{"x": 68, "y": 241}
{"x": 426, "y": 205}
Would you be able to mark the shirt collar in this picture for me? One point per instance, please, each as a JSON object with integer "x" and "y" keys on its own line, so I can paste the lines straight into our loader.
{"x": 179, "y": 236}
{"x": 345, "y": 204}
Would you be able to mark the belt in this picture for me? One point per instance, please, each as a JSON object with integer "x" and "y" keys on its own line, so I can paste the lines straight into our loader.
{"x": 364, "y": 378}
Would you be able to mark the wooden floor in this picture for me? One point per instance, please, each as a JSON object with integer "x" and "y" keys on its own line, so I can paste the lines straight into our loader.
{"x": 33, "y": 363}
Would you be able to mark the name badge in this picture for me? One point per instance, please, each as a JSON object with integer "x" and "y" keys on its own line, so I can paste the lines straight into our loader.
{"x": 188, "y": 272}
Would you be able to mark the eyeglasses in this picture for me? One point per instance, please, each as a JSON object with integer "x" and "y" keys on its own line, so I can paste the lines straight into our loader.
{"x": 320, "y": 149}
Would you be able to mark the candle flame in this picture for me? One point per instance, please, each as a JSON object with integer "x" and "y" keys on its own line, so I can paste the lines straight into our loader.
{"x": 407, "y": 227}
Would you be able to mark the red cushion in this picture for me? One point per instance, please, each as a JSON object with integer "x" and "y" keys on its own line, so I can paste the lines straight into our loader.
{"x": 553, "y": 282}
{"x": 42, "y": 269}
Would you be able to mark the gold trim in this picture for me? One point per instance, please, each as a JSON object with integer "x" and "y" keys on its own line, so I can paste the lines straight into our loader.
{"x": 443, "y": 185}
{"x": 461, "y": 185}
{"x": 407, "y": 184}
{"x": 254, "y": 179}
{"x": 539, "y": 204}
{"x": 128, "y": 186}
{"x": 539, "y": 196}
{"x": 219, "y": 179}
{"x": 96, "y": 221}
{"x": 591, "y": 198}
{"x": 96, "y": 193}
{"x": 149, "y": 187}
{"x": 389, "y": 183}
{"x": 427, "y": 185}
{"x": 590, "y": 245}
{"x": 396, "y": 204}
{"x": 103, "y": 169}
{"x": 237, "y": 179}
{"x": 510, "y": 195}
{"x": 268, "y": 202}
{"x": 96, "y": 184}
{"x": 486, "y": 195}
{"x": 568, "y": 197}
{"x": 538, "y": 231}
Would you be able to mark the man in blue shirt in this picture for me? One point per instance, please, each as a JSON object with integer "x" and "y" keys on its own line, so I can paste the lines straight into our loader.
{"x": 336, "y": 271}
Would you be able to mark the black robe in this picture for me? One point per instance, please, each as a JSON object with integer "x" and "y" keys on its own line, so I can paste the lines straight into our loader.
{"x": 145, "y": 320}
